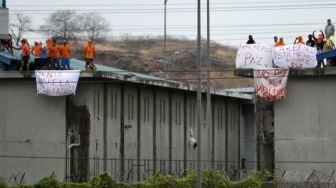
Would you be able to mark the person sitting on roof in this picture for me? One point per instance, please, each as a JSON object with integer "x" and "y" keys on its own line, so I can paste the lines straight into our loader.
{"x": 310, "y": 42}
{"x": 65, "y": 54}
{"x": 280, "y": 42}
{"x": 299, "y": 40}
{"x": 319, "y": 42}
{"x": 54, "y": 56}
{"x": 36, "y": 50}
{"x": 89, "y": 55}
{"x": 250, "y": 40}
{"x": 25, "y": 54}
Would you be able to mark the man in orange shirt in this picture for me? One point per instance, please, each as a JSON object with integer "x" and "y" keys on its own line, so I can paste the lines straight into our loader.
{"x": 25, "y": 54}
{"x": 281, "y": 42}
{"x": 54, "y": 56}
{"x": 89, "y": 55}
{"x": 36, "y": 50}
{"x": 65, "y": 54}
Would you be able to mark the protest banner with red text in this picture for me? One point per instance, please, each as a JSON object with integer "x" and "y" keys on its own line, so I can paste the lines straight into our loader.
{"x": 254, "y": 56}
{"x": 294, "y": 56}
{"x": 56, "y": 83}
{"x": 270, "y": 84}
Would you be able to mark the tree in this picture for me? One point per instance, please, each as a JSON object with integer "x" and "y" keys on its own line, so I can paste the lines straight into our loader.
{"x": 95, "y": 26}
{"x": 62, "y": 23}
{"x": 18, "y": 25}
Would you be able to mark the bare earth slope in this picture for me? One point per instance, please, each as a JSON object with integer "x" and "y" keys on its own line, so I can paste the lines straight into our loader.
{"x": 146, "y": 55}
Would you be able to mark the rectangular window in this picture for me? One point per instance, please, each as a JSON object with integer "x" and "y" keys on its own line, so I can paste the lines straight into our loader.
{"x": 179, "y": 114}
{"x": 112, "y": 105}
{"x": 115, "y": 106}
{"x": 218, "y": 118}
{"x": 132, "y": 107}
{"x": 129, "y": 107}
{"x": 94, "y": 103}
{"x": 98, "y": 105}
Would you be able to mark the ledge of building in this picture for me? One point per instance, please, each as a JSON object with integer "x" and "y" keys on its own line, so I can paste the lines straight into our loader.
{"x": 311, "y": 72}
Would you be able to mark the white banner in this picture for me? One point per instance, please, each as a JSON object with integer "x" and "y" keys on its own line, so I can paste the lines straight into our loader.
{"x": 56, "y": 82}
{"x": 294, "y": 56}
{"x": 270, "y": 84}
{"x": 254, "y": 56}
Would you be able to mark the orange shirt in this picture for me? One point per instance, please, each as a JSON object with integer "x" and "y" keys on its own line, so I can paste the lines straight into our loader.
{"x": 54, "y": 51}
{"x": 37, "y": 50}
{"x": 25, "y": 49}
{"x": 280, "y": 44}
{"x": 65, "y": 51}
{"x": 89, "y": 51}
{"x": 49, "y": 44}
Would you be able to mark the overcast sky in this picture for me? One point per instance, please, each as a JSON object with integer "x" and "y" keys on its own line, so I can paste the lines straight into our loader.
{"x": 231, "y": 20}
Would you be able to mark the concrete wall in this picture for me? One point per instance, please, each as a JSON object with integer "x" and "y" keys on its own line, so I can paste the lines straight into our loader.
{"x": 248, "y": 137}
{"x": 32, "y": 132}
{"x": 305, "y": 125}
{"x": 160, "y": 141}
{"x": 4, "y": 22}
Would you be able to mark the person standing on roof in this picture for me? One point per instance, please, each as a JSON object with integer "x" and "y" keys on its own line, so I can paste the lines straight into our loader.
{"x": 89, "y": 55}
{"x": 275, "y": 40}
{"x": 310, "y": 42}
{"x": 65, "y": 54}
{"x": 329, "y": 29}
{"x": 54, "y": 56}
{"x": 250, "y": 40}
{"x": 299, "y": 40}
{"x": 280, "y": 42}
{"x": 25, "y": 54}
{"x": 36, "y": 50}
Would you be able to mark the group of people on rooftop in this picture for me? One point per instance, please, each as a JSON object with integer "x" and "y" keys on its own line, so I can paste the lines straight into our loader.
{"x": 324, "y": 41}
{"x": 56, "y": 56}
{"x": 52, "y": 56}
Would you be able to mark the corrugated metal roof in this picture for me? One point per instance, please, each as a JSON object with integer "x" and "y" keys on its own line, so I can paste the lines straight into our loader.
{"x": 240, "y": 90}
{"x": 77, "y": 64}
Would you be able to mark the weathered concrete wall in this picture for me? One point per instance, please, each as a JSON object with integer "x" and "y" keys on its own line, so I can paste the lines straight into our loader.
{"x": 4, "y": 22}
{"x": 305, "y": 125}
{"x": 248, "y": 137}
{"x": 32, "y": 132}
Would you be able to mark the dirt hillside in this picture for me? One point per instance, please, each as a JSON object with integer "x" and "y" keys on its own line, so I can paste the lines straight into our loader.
{"x": 146, "y": 55}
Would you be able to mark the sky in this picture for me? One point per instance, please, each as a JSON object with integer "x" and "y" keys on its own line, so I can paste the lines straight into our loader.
{"x": 231, "y": 21}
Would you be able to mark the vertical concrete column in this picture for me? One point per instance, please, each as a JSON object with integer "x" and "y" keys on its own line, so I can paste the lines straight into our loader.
{"x": 138, "y": 133}
{"x": 154, "y": 131}
{"x": 170, "y": 122}
{"x": 226, "y": 135}
{"x": 185, "y": 133}
{"x": 122, "y": 125}
{"x": 105, "y": 127}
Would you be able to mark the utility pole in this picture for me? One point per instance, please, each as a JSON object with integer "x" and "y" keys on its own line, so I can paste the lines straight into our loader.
{"x": 209, "y": 118}
{"x": 165, "y": 37}
{"x": 199, "y": 96}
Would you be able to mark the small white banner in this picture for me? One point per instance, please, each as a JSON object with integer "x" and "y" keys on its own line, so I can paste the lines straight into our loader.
{"x": 254, "y": 56}
{"x": 56, "y": 82}
{"x": 294, "y": 56}
{"x": 270, "y": 84}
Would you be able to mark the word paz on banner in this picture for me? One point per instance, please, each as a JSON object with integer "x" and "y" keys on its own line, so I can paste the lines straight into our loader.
{"x": 254, "y": 56}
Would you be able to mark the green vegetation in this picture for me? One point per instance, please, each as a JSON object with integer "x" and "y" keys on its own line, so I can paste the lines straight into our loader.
{"x": 211, "y": 179}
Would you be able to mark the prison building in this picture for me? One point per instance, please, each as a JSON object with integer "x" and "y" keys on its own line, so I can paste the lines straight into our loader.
{"x": 128, "y": 124}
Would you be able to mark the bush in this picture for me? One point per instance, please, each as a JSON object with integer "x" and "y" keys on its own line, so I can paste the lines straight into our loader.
{"x": 104, "y": 180}
{"x": 75, "y": 185}
{"x": 3, "y": 184}
{"x": 48, "y": 182}
{"x": 255, "y": 180}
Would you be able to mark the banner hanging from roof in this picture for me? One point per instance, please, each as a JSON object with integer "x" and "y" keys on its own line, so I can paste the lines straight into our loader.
{"x": 294, "y": 56}
{"x": 254, "y": 56}
{"x": 270, "y": 84}
{"x": 56, "y": 82}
